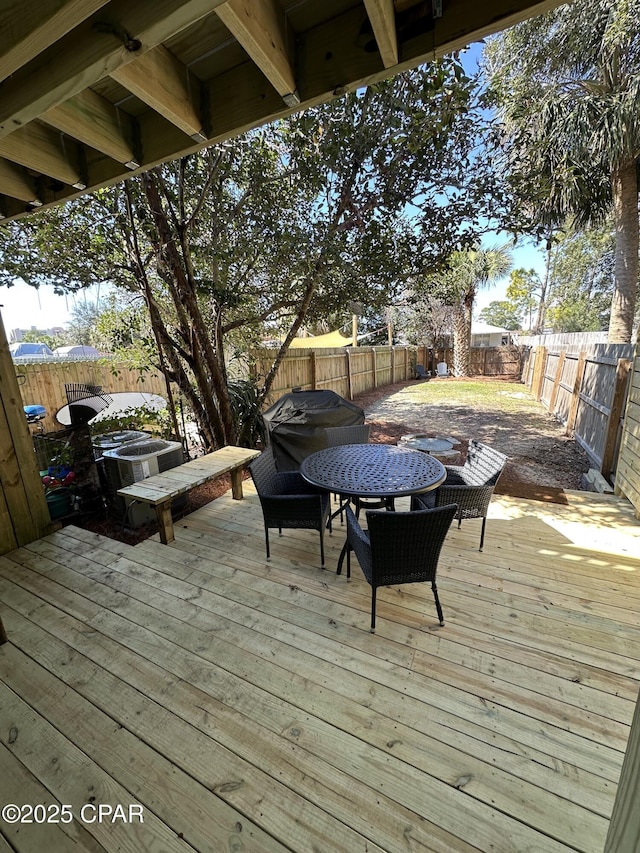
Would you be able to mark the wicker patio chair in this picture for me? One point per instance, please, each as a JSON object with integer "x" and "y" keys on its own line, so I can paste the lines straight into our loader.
{"x": 398, "y": 548}
{"x": 470, "y": 485}
{"x": 288, "y": 501}
{"x": 356, "y": 434}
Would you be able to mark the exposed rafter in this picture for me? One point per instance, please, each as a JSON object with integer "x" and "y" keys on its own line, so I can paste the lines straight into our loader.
{"x": 383, "y": 22}
{"x": 166, "y": 85}
{"x": 14, "y": 182}
{"x": 27, "y": 27}
{"x": 39, "y": 148}
{"x": 129, "y": 84}
{"x": 95, "y": 121}
{"x": 99, "y": 46}
{"x": 261, "y": 27}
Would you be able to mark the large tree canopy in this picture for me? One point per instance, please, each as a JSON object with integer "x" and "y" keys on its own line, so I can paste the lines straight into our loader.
{"x": 567, "y": 85}
{"x": 284, "y": 225}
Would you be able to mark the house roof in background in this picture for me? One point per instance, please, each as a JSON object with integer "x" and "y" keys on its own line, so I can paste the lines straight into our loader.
{"x": 94, "y": 91}
{"x": 486, "y": 329}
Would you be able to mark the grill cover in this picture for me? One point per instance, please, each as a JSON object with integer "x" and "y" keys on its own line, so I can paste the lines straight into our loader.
{"x": 295, "y": 424}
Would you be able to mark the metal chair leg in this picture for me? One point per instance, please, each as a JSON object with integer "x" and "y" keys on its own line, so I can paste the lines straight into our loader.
{"x": 438, "y": 607}
{"x": 484, "y": 523}
{"x": 373, "y": 609}
{"x": 266, "y": 539}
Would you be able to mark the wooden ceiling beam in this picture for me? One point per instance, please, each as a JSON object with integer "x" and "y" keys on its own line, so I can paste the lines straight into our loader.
{"x": 262, "y": 28}
{"x": 168, "y": 87}
{"x": 331, "y": 61}
{"x": 27, "y": 27}
{"x": 93, "y": 120}
{"x": 14, "y": 182}
{"x": 383, "y": 22}
{"x": 119, "y": 34}
{"x": 44, "y": 151}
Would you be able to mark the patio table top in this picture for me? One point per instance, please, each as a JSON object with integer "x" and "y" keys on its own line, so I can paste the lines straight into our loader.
{"x": 373, "y": 470}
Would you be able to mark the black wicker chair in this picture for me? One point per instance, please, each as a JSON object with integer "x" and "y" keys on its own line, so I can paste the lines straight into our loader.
{"x": 355, "y": 434}
{"x": 470, "y": 485}
{"x": 399, "y": 547}
{"x": 288, "y": 501}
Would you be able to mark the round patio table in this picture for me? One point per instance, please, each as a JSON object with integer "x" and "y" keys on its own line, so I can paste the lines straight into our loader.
{"x": 373, "y": 470}
{"x": 380, "y": 471}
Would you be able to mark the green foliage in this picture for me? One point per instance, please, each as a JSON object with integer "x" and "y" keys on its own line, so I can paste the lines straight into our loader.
{"x": 502, "y": 313}
{"x": 136, "y": 418}
{"x": 581, "y": 282}
{"x": 246, "y": 407}
{"x": 567, "y": 86}
{"x": 524, "y": 293}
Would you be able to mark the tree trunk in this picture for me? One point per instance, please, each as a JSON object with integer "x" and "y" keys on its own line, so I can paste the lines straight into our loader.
{"x": 538, "y": 329}
{"x": 206, "y": 362}
{"x": 625, "y": 206}
{"x": 462, "y": 338}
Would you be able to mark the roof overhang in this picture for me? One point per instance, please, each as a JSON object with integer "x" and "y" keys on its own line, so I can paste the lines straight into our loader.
{"x": 94, "y": 91}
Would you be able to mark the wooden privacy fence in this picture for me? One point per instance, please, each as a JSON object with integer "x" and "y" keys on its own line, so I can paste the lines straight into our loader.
{"x": 586, "y": 389}
{"x": 501, "y": 362}
{"x": 42, "y": 383}
{"x": 345, "y": 370}
{"x": 351, "y": 371}
{"x": 628, "y": 468}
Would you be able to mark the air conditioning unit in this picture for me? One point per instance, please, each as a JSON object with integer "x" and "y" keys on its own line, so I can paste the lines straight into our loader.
{"x": 135, "y": 461}
{"x": 113, "y": 440}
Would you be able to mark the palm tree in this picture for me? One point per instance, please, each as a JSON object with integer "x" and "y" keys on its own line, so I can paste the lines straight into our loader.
{"x": 568, "y": 86}
{"x": 468, "y": 272}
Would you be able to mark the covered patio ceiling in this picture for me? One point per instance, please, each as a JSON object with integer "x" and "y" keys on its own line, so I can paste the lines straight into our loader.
{"x": 94, "y": 91}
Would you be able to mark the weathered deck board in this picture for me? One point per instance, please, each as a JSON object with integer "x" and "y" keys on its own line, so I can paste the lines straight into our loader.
{"x": 245, "y": 702}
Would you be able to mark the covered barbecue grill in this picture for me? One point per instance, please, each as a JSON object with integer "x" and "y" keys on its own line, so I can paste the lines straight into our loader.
{"x": 296, "y": 423}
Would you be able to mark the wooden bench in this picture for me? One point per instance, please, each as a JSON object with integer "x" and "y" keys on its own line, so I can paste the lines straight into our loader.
{"x": 161, "y": 489}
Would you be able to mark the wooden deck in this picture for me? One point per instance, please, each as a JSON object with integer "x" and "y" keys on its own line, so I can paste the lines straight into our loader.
{"x": 245, "y": 705}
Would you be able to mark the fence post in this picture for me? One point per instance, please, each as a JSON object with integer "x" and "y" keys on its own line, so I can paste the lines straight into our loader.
{"x": 374, "y": 367}
{"x": 313, "y": 367}
{"x": 556, "y": 381}
{"x": 617, "y": 405}
{"x": 575, "y": 397}
{"x": 393, "y": 365}
{"x": 538, "y": 373}
{"x": 347, "y": 355}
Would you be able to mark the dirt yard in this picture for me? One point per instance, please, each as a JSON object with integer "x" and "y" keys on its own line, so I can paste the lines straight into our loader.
{"x": 542, "y": 460}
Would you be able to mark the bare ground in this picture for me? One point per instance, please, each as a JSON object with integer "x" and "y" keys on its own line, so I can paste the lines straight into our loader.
{"x": 542, "y": 459}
